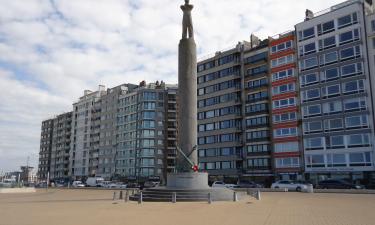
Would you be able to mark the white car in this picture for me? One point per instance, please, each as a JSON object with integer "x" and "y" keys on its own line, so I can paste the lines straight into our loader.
{"x": 221, "y": 184}
{"x": 290, "y": 185}
{"x": 77, "y": 184}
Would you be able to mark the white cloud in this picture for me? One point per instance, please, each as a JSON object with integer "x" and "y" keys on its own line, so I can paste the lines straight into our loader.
{"x": 52, "y": 50}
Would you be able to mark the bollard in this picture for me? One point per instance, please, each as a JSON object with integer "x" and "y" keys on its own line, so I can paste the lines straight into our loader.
{"x": 235, "y": 199}
{"x": 120, "y": 197}
{"x": 174, "y": 197}
{"x": 68, "y": 185}
{"x": 248, "y": 192}
{"x": 114, "y": 196}
{"x": 258, "y": 195}
{"x": 140, "y": 197}
{"x": 126, "y": 199}
{"x": 209, "y": 198}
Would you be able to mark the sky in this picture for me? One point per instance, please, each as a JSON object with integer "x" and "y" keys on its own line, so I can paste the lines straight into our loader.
{"x": 53, "y": 50}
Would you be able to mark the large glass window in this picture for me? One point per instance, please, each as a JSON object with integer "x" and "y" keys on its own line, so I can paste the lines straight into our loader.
{"x": 355, "y": 104}
{"x": 283, "y": 88}
{"x": 311, "y": 110}
{"x": 358, "y": 140}
{"x": 347, "y": 20}
{"x": 281, "y": 47}
{"x": 332, "y": 107}
{"x": 360, "y": 159}
{"x": 331, "y": 91}
{"x": 360, "y": 121}
{"x": 283, "y": 132}
{"x": 309, "y": 63}
{"x": 326, "y": 27}
{"x": 309, "y": 79}
{"x": 351, "y": 87}
{"x": 283, "y": 103}
{"x": 333, "y": 124}
{"x": 349, "y": 36}
{"x": 287, "y": 162}
{"x": 282, "y": 61}
{"x": 327, "y": 43}
{"x": 310, "y": 95}
{"x": 314, "y": 143}
{"x": 328, "y": 58}
{"x": 286, "y": 147}
{"x": 334, "y": 142}
{"x": 312, "y": 127}
{"x": 336, "y": 160}
{"x": 315, "y": 161}
{"x": 349, "y": 53}
{"x": 258, "y": 148}
{"x": 330, "y": 74}
{"x": 306, "y": 34}
{"x": 282, "y": 74}
{"x": 284, "y": 117}
{"x": 309, "y": 48}
{"x": 351, "y": 69}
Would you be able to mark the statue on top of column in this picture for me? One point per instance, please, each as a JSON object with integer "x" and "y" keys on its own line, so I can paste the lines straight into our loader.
{"x": 187, "y": 22}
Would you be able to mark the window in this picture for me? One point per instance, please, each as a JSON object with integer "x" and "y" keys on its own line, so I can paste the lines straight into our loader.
{"x": 351, "y": 87}
{"x": 258, "y": 121}
{"x": 311, "y": 111}
{"x": 333, "y": 124}
{"x": 327, "y": 43}
{"x": 315, "y": 161}
{"x": 257, "y": 83}
{"x": 306, "y": 34}
{"x": 358, "y": 140}
{"x": 257, "y": 108}
{"x": 334, "y": 142}
{"x": 263, "y": 134}
{"x": 282, "y": 74}
{"x": 355, "y": 104}
{"x": 314, "y": 143}
{"x": 373, "y": 25}
{"x": 310, "y": 95}
{"x": 331, "y": 91}
{"x": 282, "y": 61}
{"x": 257, "y": 70}
{"x": 286, "y": 147}
{"x": 283, "y": 88}
{"x": 257, "y": 96}
{"x": 226, "y": 59}
{"x": 287, "y": 162}
{"x": 258, "y": 163}
{"x": 326, "y": 27}
{"x": 351, "y": 69}
{"x": 330, "y": 74}
{"x": 309, "y": 63}
{"x": 283, "y": 103}
{"x": 279, "y": 118}
{"x": 350, "y": 53}
{"x": 332, "y": 107}
{"x": 347, "y": 20}
{"x": 256, "y": 58}
{"x": 307, "y": 49}
{"x": 349, "y": 36}
{"x": 210, "y": 166}
{"x": 281, "y": 47}
{"x": 284, "y": 132}
{"x": 309, "y": 79}
{"x": 328, "y": 58}
{"x": 312, "y": 127}
{"x": 360, "y": 121}
{"x": 360, "y": 159}
{"x": 257, "y": 148}
{"x": 336, "y": 160}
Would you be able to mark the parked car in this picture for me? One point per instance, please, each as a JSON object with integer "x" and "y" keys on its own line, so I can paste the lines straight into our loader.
{"x": 290, "y": 185}
{"x": 94, "y": 181}
{"x": 78, "y": 184}
{"x": 338, "y": 184}
{"x": 133, "y": 185}
{"x": 151, "y": 184}
{"x": 41, "y": 184}
{"x": 221, "y": 184}
{"x": 249, "y": 184}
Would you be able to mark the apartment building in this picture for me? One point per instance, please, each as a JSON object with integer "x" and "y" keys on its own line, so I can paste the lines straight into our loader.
{"x": 256, "y": 114}
{"x": 84, "y": 154}
{"x": 45, "y": 149}
{"x": 285, "y": 114}
{"x": 106, "y": 125}
{"x": 336, "y": 92}
{"x": 146, "y": 132}
{"x": 61, "y": 137}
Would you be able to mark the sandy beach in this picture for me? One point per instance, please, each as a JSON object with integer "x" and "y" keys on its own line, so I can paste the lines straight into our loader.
{"x": 96, "y": 207}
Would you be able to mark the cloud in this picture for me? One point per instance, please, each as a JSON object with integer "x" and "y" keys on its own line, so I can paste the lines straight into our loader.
{"x": 52, "y": 50}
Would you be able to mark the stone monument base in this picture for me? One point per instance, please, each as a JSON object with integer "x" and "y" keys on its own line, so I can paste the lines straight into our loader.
{"x": 186, "y": 187}
{"x": 187, "y": 181}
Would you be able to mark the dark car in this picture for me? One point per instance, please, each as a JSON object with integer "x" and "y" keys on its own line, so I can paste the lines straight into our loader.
{"x": 337, "y": 184}
{"x": 248, "y": 184}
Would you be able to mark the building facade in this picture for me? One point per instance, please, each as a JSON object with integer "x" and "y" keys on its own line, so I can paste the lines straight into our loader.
{"x": 336, "y": 93}
{"x": 45, "y": 149}
{"x": 285, "y": 113}
{"x": 61, "y": 137}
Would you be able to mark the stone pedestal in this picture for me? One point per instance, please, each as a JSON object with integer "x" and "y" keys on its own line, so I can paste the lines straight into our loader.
{"x": 189, "y": 181}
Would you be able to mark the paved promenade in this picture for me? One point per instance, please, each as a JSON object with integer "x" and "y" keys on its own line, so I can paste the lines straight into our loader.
{"x": 95, "y": 207}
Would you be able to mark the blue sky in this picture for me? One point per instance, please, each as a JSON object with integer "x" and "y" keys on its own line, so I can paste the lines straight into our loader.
{"x": 52, "y": 50}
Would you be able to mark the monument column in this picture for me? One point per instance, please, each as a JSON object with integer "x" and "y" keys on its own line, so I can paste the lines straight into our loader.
{"x": 187, "y": 92}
